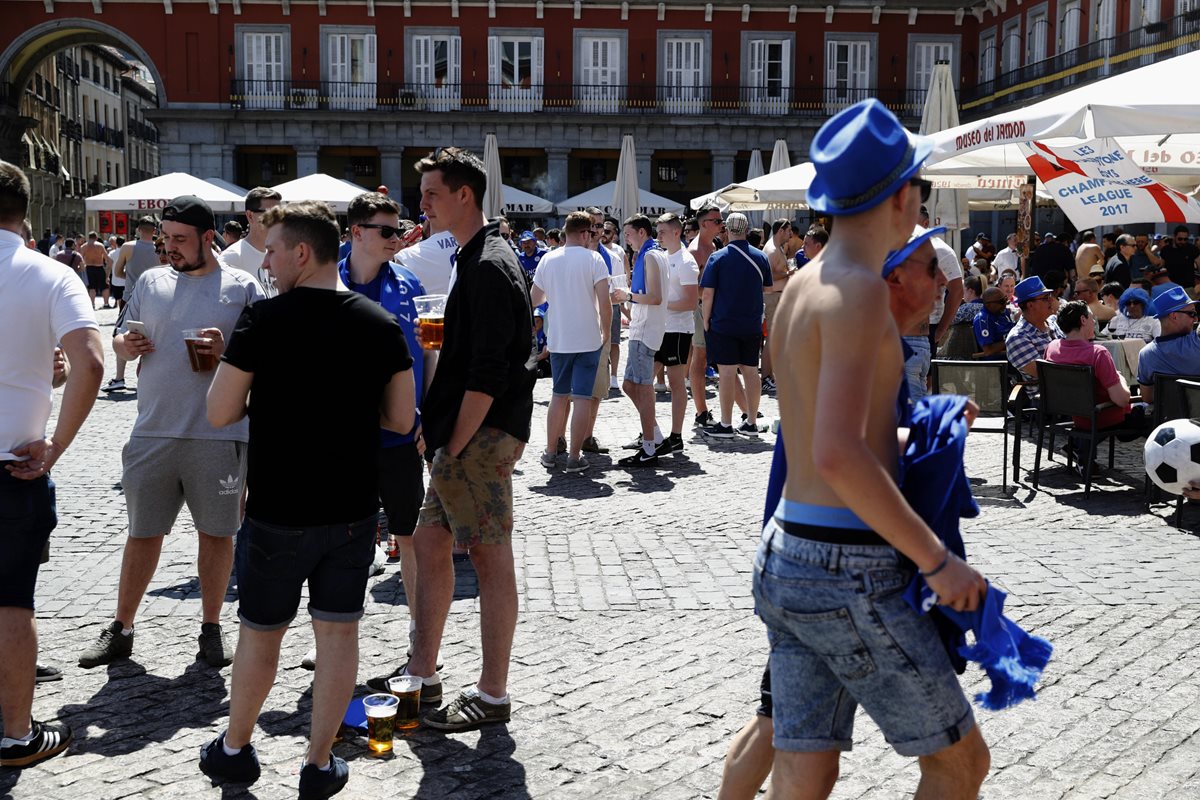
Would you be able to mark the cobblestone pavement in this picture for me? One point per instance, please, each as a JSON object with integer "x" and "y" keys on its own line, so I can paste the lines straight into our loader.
{"x": 637, "y": 655}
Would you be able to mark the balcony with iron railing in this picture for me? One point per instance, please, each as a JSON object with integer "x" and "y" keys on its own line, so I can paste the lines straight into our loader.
{"x": 100, "y": 133}
{"x": 137, "y": 175}
{"x": 140, "y": 130}
{"x": 1096, "y": 59}
{"x": 70, "y": 128}
{"x": 720, "y": 101}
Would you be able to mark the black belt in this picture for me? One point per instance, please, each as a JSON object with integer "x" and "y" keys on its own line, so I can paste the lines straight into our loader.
{"x": 828, "y": 535}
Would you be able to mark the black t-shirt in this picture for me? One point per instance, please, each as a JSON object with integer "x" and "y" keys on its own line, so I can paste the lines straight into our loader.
{"x": 320, "y": 360}
{"x": 1180, "y": 261}
{"x": 1117, "y": 270}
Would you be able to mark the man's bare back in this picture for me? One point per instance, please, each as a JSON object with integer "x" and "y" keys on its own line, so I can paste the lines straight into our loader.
{"x": 832, "y": 326}
{"x": 701, "y": 250}
{"x": 1087, "y": 256}
{"x": 93, "y": 254}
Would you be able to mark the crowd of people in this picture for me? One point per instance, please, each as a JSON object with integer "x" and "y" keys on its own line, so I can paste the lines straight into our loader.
{"x": 841, "y": 322}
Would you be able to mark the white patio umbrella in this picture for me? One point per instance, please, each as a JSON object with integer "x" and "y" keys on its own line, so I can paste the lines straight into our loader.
{"x": 755, "y": 170}
{"x": 626, "y": 198}
{"x": 520, "y": 203}
{"x": 227, "y": 186}
{"x": 154, "y": 194}
{"x": 946, "y": 206}
{"x": 781, "y": 191}
{"x": 781, "y": 160}
{"x": 648, "y": 203}
{"x": 493, "y": 197}
{"x": 319, "y": 186}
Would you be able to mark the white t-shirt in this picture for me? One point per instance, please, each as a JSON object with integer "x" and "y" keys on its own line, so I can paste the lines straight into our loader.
{"x": 648, "y": 323}
{"x": 248, "y": 258}
{"x": 41, "y": 301}
{"x": 683, "y": 272}
{"x": 569, "y": 276}
{"x": 1006, "y": 259}
{"x": 430, "y": 261}
{"x": 115, "y": 279}
{"x": 617, "y": 254}
{"x": 951, "y": 267}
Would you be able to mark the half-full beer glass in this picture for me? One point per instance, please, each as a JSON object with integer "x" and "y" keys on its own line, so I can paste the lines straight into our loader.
{"x": 431, "y": 320}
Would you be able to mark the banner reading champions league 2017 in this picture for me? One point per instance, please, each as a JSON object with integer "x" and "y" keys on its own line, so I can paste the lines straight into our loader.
{"x": 1095, "y": 183}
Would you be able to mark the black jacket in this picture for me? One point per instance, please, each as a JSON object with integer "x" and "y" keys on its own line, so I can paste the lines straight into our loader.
{"x": 488, "y": 346}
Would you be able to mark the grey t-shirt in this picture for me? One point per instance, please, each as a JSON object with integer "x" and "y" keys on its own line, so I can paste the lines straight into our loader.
{"x": 171, "y": 398}
{"x": 141, "y": 260}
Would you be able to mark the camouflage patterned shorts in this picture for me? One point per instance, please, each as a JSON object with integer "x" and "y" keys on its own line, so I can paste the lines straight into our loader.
{"x": 472, "y": 495}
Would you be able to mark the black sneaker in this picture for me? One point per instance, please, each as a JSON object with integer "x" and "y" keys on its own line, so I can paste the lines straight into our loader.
{"x": 590, "y": 445}
{"x": 317, "y": 784}
{"x": 768, "y": 385}
{"x": 719, "y": 431}
{"x": 749, "y": 429}
{"x": 241, "y": 768}
{"x": 430, "y": 692}
{"x": 674, "y": 444}
{"x": 467, "y": 712}
{"x": 639, "y": 459}
{"x": 703, "y": 419}
{"x": 46, "y": 674}
{"x": 213, "y": 647}
{"x": 49, "y": 739}
{"x": 745, "y": 417}
{"x": 110, "y": 646}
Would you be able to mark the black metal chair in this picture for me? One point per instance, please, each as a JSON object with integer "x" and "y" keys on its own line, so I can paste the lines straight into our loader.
{"x": 1191, "y": 396}
{"x": 986, "y": 384}
{"x": 1068, "y": 390}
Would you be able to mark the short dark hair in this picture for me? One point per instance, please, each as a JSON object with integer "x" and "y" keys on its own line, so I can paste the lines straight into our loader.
{"x": 235, "y": 226}
{"x": 459, "y": 167}
{"x": 578, "y": 222}
{"x": 640, "y": 222}
{"x": 1071, "y": 315}
{"x": 1125, "y": 239}
{"x": 255, "y": 197}
{"x": 692, "y": 225}
{"x": 367, "y": 205}
{"x": 707, "y": 208}
{"x": 1182, "y": 229}
{"x": 974, "y": 283}
{"x": 120, "y": 241}
{"x": 819, "y": 234}
{"x": 780, "y": 223}
{"x": 1112, "y": 288}
{"x": 754, "y": 236}
{"x": 555, "y": 233}
{"x": 308, "y": 221}
{"x": 14, "y": 194}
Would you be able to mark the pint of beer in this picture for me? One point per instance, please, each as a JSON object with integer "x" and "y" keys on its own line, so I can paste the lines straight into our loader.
{"x": 200, "y": 361}
{"x": 381, "y": 722}
{"x": 431, "y": 320}
{"x": 407, "y": 689}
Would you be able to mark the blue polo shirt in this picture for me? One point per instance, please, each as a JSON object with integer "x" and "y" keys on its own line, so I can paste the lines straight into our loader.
{"x": 394, "y": 288}
{"x": 991, "y": 328}
{"x": 1169, "y": 355}
{"x": 737, "y": 274}
{"x": 530, "y": 263}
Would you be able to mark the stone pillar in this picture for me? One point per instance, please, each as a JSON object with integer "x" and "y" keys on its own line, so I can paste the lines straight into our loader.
{"x": 306, "y": 161}
{"x": 391, "y": 171}
{"x": 557, "y": 161}
{"x": 228, "y": 163}
{"x": 722, "y": 168}
{"x": 643, "y": 168}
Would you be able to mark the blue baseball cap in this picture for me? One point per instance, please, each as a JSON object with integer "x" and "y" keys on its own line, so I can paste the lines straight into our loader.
{"x": 527, "y": 236}
{"x": 862, "y": 156}
{"x": 920, "y": 236}
{"x": 1170, "y": 301}
{"x": 1030, "y": 288}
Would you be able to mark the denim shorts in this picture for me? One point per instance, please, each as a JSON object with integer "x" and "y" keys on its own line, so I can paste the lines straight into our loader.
{"x": 27, "y": 516}
{"x": 842, "y": 635}
{"x": 916, "y": 368}
{"x": 274, "y": 561}
{"x": 639, "y": 365}
{"x": 574, "y": 373}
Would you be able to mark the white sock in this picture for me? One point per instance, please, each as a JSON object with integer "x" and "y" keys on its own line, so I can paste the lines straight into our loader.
{"x": 648, "y": 448}
{"x": 426, "y": 680}
{"x": 726, "y": 422}
{"x": 326, "y": 768}
{"x": 658, "y": 437}
{"x": 127, "y": 631}
{"x": 26, "y": 739}
{"x": 487, "y": 698}
{"x": 229, "y": 751}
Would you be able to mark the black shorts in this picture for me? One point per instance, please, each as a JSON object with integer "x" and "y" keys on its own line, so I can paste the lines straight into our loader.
{"x": 27, "y": 516}
{"x": 97, "y": 281}
{"x": 274, "y": 561}
{"x": 766, "y": 707}
{"x": 674, "y": 350}
{"x": 401, "y": 487}
{"x": 117, "y": 292}
{"x": 724, "y": 350}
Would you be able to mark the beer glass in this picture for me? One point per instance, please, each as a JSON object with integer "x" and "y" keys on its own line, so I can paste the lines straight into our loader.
{"x": 407, "y": 689}
{"x": 431, "y": 320}
{"x": 381, "y": 722}
{"x": 201, "y": 362}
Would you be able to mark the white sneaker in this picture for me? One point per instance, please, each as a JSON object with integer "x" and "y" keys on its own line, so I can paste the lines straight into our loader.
{"x": 310, "y": 658}
{"x": 612, "y": 382}
{"x": 660, "y": 387}
{"x": 113, "y": 385}
{"x": 380, "y": 560}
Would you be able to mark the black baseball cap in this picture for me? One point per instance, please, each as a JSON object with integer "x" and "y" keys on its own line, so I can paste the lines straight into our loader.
{"x": 190, "y": 210}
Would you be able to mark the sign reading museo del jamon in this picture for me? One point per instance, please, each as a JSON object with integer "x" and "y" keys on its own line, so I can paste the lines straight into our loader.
{"x": 1095, "y": 183}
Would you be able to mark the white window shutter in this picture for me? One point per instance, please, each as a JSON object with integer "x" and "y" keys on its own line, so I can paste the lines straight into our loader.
{"x": 539, "y": 47}
{"x": 493, "y": 61}
{"x": 831, "y": 57}
{"x": 369, "y": 68}
{"x": 454, "y": 62}
{"x": 786, "y": 66}
{"x": 422, "y": 60}
{"x": 757, "y": 64}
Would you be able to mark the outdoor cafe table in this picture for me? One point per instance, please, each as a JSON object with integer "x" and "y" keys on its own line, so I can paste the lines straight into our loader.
{"x": 1125, "y": 355}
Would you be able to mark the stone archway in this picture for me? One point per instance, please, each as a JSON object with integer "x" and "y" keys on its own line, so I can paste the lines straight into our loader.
{"x": 27, "y": 50}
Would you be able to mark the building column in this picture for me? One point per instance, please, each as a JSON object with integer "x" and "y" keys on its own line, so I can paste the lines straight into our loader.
{"x": 306, "y": 161}
{"x": 229, "y": 163}
{"x": 391, "y": 170}
{"x": 722, "y": 168}
{"x": 557, "y": 166}
{"x": 643, "y": 168}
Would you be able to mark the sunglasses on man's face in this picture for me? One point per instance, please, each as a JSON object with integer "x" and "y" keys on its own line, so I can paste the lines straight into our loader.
{"x": 386, "y": 231}
{"x": 925, "y": 186}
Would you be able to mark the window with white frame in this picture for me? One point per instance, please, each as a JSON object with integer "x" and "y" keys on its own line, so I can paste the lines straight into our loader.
{"x": 683, "y": 75}
{"x": 1038, "y": 30}
{"x": 1070, "y": 24}
{"x": 515, "y": 68}
{"x": 848, "y": 71}
{"x": 1011, "y": 47}
{"x": 350, "y": 67}
{"x": 924, "y": 54}
{"x": 988, "y": 51}
{"x": 436, "y": 67}
{"x": 768, "y": 72}
{"x": 599, "y": 68}
{"x": 263, "y": 65}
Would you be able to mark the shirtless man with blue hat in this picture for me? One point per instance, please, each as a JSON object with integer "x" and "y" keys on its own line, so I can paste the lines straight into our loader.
{"x": 843, "y": 531}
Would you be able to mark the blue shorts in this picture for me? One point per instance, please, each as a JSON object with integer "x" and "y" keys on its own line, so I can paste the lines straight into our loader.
{"x": 274, "y": 561}
{"x": 639, "y": 366}
{"x": 729, "y": 351}
{"x": 842, "y": 635}
{"x": 574, "y": 373}
{"x": 27, "y": 516}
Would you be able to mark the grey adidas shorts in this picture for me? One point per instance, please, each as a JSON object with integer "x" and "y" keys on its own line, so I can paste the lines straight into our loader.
{"x": 161, "y": 474}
